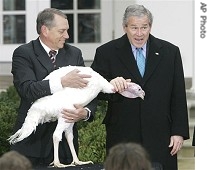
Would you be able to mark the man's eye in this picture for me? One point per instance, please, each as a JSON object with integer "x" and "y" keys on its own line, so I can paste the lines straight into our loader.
{"x": 133, "y": 28}
{"x": 61, "y": 32}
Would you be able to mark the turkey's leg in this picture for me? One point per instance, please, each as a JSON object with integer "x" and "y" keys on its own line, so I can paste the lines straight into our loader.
{"x": 69, "y": 137}
{"x": 57, "y": 136}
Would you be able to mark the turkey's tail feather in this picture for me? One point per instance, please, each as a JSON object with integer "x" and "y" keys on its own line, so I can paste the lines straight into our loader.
{"x": 29, "y": 125}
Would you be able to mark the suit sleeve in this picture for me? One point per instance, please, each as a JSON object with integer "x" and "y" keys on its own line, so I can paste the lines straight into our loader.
{"x": 179, "y": 112}
{"x": 28, "y": 84}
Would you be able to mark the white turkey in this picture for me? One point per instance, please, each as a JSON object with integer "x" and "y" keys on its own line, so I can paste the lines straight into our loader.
{"x": 49, "y": 108}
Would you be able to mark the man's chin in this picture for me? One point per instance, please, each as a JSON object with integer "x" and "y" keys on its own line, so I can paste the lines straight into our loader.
{"x": 61, "y": 45}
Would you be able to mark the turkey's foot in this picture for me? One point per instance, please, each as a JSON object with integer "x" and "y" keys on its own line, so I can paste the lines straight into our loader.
{"x": 81, "y": 162}
{"x": 60, "y": 165}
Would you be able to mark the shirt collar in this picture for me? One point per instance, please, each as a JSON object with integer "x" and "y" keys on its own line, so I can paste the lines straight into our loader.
{"x": 143, "y": 47}
{"x": 47, "y": 49}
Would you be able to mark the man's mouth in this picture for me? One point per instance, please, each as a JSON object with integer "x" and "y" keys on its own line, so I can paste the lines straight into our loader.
{"x": 139, "y": 40}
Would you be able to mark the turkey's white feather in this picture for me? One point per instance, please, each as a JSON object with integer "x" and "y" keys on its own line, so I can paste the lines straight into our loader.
{"x": 48, "y": 108}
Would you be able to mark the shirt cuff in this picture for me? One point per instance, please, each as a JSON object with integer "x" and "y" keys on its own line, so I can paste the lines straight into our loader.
{"x": 88, "y": 114}
{"x": 55, "y": 85}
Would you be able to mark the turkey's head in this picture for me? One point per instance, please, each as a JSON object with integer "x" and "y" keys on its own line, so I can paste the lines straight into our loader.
{"x": 133, "y": 91}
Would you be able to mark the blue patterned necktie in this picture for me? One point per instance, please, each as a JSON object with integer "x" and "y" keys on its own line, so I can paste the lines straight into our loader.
{"x": 140, "y": 59}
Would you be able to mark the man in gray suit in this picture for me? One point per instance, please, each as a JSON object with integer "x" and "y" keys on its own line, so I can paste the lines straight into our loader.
{"x": 30, "y": 64}
{"x": 159, "y": 122}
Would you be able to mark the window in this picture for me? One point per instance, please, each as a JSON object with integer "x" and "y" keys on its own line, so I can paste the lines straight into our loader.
{"x": 90, "y": 21}
{"x": 84, "y": 18}
{"x": 13, "y": 21}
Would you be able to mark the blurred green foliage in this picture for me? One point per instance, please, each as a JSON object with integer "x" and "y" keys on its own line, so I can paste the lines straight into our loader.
{"x": 92, "y": 137}
{"x": 9, "y": 102}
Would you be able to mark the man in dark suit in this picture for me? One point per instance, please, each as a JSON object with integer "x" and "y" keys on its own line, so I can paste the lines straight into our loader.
{"x": 30, "y": 65}
{"x": 160, "y": 121}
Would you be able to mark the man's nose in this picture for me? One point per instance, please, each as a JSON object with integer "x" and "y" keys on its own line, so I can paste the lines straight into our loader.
{"x": 66, "y": 35}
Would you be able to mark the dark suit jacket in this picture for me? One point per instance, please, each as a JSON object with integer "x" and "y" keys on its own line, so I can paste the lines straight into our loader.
{"x": 30, "y": 65}
{"x": 162, "y": 113}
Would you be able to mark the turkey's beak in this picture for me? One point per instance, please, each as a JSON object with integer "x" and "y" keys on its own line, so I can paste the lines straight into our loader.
{"x": 142, "y": 96}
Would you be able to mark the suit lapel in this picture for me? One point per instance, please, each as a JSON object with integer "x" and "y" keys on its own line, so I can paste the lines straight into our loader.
{"x": 62, "y": 58}
{"x": 125, "y": 55}
{"x": 153, "y": 58}
{"x": 127, "y": 58}
{"x": 42, "y": 56}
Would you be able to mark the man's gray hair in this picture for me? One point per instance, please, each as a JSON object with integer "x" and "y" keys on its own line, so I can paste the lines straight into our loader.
{"x": 46, "y": 17}
{"x": 138, "y": 11}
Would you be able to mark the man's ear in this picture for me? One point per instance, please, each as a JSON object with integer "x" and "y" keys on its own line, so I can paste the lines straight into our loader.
{"x": 44, "y": 30}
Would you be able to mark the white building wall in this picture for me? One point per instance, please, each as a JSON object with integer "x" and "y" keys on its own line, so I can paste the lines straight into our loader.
{"x": 173, "y": 21}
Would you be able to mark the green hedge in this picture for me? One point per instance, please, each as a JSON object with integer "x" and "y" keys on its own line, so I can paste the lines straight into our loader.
{"x": 92, "y": 137}
{"x": 9, "y": 102}
{"x": 91, "y": 134}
